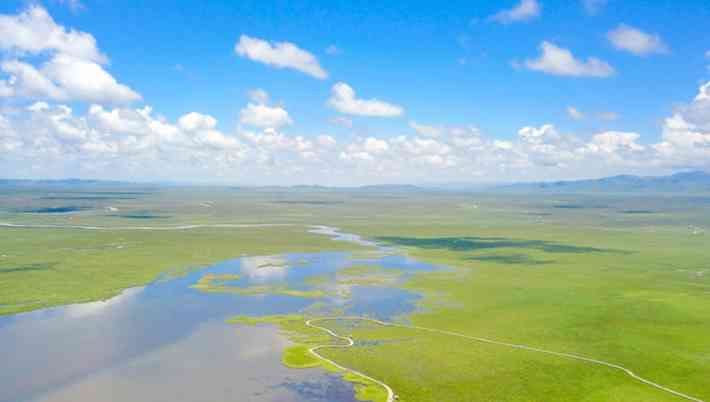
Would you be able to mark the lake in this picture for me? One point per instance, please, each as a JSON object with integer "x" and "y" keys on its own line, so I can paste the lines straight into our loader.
{"x": 168, "y": 341}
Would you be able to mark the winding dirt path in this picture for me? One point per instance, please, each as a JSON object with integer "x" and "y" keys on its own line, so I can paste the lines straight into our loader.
{"x": 350, "y": 343}
{"x": 390, "y": 392}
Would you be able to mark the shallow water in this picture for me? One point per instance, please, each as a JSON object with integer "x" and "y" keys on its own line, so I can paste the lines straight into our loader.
{"x": 169, "y": 342}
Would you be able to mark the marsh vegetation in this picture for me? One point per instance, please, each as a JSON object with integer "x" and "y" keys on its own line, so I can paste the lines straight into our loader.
{"x": 618, "y": 278}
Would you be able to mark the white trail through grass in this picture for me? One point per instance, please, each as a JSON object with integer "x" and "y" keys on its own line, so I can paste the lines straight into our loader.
{"x": 390, "y": 392}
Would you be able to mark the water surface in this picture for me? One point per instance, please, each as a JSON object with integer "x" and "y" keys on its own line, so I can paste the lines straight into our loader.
{"x": 168, "y": 341}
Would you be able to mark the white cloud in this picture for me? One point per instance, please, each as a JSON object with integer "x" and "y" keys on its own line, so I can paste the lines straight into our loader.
{"x": 526, "y": 10}
{"x": 574, "y": 113}
{"x": 375, "y": 146}
{"x": 38, "y": 107}
{"x": 686, "y": 134}
{"x": 260, "y": 115}
{"x": 86, "y": 80}
{"x": 127, "y": 142}
{"x": 703, "y": 93}
{"x": 613, "y": 141}
{"x": 27, "y": 81}
{"x": 559, "y": 61}
{"x": 122, "y": 140}
{"x": 280, "y": 55}
{"x": 343, "y": 99}
{"x": 430, "y": 131}
{"x": 66, "y": 78}
{"x": 633, "y": 40}
{"x": 533, "y": 135}
{"x": 73, "y": 70}
{"x": 34, "y": 31}
{"x": 196, "y": 121}
{"x": 593, "y": 7}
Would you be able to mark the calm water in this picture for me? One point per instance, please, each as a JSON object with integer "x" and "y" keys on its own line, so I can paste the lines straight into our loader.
{"x": 169, "y": 342}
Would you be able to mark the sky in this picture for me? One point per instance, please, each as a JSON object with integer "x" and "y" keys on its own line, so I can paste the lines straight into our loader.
{"x": 353, "y": 92}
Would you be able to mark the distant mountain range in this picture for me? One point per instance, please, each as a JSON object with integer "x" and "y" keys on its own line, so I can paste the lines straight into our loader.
{"x": 61, "y": 183}
{"x": 692, "y": 182}
{"x": 688, "y": 182}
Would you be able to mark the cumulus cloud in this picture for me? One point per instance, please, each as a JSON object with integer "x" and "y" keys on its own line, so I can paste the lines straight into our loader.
{"x": 34, "y": 31}
{"x": 343, "y": 100}
{"x": 611, "y": 142}
{"x": 280, "y": 55}
{"x": 574, "y": 113}
{"x": 633, "y": 40}
{"x": 85, "y": 80}
{"x": 121, "y": 141}
{"x": 196, "y": 121}
{"x": 66, "y": 78}
{"x": 703, "y": 93}
{"x": 559, "y": 61}
{"x": 73, "y": 71}
{"x": 264, "y": 116}
{"x": 526, "y": 10}
{"x": 27, "y": 81}
{"x": 258, "y": 114}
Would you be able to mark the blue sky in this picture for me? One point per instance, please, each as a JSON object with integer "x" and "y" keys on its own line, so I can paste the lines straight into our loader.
{"x": 448, "y": 65}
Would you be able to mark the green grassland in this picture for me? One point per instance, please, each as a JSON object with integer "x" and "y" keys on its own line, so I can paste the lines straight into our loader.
{"x": 631, "y": 296}
{"x": 47, "y": 267}
{"x": 219, "y": 283}
{"x": 624, "y": 279}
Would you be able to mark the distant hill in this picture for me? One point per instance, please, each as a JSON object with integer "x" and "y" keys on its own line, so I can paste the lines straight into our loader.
{"x": 387, "y": 188}
{"x": 692, "y": 182}
{"x": 60, "y": 183}
{"x": 377, "y": 188}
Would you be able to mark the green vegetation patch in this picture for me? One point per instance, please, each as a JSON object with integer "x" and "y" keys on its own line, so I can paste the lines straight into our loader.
{"x": 355, "y": 275}
{"x": 217, "y": 283}
{"x": 86, "y": 265}
{"x": 473, "y": 243}
{"x": 299, "y": 355}
{"x": 214, "y": 282}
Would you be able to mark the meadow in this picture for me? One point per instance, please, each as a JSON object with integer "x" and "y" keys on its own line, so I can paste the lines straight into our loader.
{"x": 622, "y": 278}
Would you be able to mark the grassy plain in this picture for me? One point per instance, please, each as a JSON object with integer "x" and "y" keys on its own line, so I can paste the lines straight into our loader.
{"x": 632, "y": 289}
{"x": 625, "y": 279}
